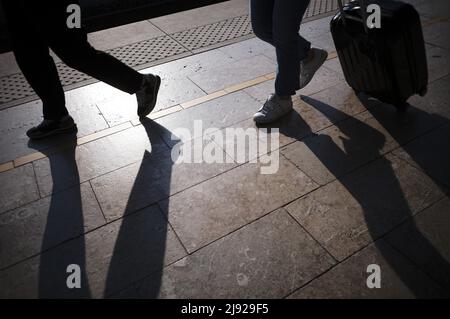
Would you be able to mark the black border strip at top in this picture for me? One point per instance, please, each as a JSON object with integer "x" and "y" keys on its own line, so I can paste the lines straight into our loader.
{"x": 133, "y": 14}
{"x": 139, "y": 13}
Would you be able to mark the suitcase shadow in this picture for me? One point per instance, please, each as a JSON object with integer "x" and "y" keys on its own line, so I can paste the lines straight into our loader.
{"x": 378, "y": 192}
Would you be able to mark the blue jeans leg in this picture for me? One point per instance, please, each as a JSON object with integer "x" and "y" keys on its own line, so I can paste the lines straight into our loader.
{"x": 278, "y": 23}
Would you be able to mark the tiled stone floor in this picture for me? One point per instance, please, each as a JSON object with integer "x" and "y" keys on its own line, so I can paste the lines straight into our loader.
{"x": 357, "y": 184}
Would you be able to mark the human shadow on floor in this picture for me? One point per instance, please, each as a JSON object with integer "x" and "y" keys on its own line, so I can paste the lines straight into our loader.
{"x": 376, "y": 188}
{"x": 134, "y": 244}
{"x": 140, "y": 247}
{"x": 65, "y": 221}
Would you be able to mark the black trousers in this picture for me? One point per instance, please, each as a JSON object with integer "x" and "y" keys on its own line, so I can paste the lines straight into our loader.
{"x": 36, "y": 26}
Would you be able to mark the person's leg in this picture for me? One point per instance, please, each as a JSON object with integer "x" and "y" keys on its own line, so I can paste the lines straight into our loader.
{"x": 291, "y": 48}
{"x": 32, "y": 55}
{"x": 77, "y": 53}
{"x": 261, "y": 13}
{"x": 278, "y": 22}
{"x": 72, "y": 46}
{"x": 74, "y": 50}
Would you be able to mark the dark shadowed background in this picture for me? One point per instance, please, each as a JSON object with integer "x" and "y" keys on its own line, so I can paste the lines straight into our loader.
{"x": 103, "y": 14}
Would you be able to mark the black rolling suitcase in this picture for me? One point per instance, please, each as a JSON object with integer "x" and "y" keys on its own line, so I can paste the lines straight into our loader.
{"x": 388, "y": 63}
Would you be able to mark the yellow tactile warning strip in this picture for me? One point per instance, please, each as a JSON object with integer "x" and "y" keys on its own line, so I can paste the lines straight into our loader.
{"x": 30, "y": 158}
{"x": 6, "y": 167}
{"x": 159, "y": 114}
{"x": 203, "y": 99}
{"x": 332, "y": 55}
{"x": 427, "y": 23}
{"x": 80, "y": 141}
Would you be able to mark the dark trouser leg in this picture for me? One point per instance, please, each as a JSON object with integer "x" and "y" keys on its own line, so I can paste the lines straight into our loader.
{"x": 291, "y": 47}
{"x": 278, "y": 22}
{"x": 72, "y": 46}
{"x": 33, "y": 58}
{"x": 261, "y": 13}
{"x": 78, "y": 54}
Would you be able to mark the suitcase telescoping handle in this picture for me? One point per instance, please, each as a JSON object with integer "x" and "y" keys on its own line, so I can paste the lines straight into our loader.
{"x": 363, "y": 6}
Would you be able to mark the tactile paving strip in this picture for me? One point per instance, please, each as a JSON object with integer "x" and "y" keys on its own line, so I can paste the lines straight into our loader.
{"x": 15, "y": 87}
{"x": 148, "y": 51}
{"x": 214, "y": 33}
{"x": 319, "y": 7}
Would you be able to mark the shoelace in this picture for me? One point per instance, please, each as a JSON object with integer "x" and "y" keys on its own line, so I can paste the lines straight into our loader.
{"x": 268, "y": 106}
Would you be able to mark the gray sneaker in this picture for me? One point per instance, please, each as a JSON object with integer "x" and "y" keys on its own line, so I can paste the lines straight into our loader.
{"x": 310, "y": 65}
{"x": 272, "y": 110}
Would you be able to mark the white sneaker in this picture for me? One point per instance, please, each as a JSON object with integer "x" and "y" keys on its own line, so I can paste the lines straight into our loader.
{"x": 272, "y": 110}
{"x": 310, "y": 65}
